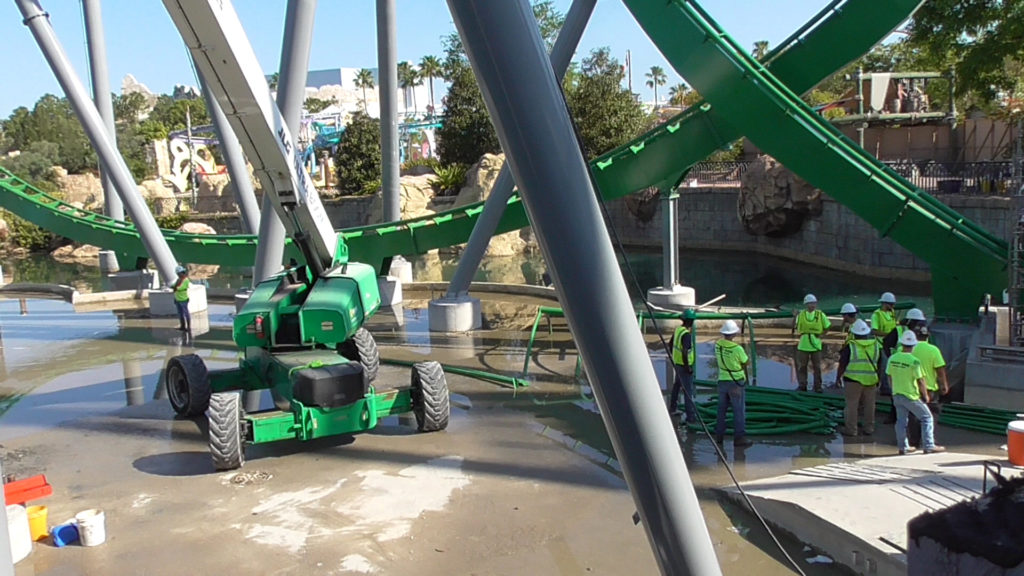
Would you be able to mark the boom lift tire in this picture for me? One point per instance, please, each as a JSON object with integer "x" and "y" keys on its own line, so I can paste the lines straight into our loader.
{"x": 188, "y": 385}
{"x": 227, "y": 445}
{"x": 430, "y": 401}
{"x": 362, "y": 348}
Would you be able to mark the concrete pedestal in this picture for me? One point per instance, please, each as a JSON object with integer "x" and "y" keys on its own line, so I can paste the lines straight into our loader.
{"x": 458, "y": 314}
{"x": 241, "y": 298}
{"x": 138, "y": 280}
{"x": 161, "y": 302}
{"x": 2, "y": 280}
{"x": 108, "y": 262}
{"x": 390, "y": 290}
{"x": 401, "y": 269}
{"x": 675, "y": 297}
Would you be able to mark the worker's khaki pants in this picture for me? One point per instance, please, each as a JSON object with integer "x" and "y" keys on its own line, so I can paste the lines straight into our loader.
{"x": 858, "y": 397}
{"x": 802, "y": 359}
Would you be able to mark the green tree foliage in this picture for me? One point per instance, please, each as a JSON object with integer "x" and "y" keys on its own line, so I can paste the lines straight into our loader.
{"x": 314, "y": 105}
{"x": 364, "y": 80}
{"x": 466, "y": 133}
{"x": 358, "y": 157}
{"x": 172, "y": 113}
{"x": 656, "y": 77}
{"x": 51, "y": 120}
{"x": 408, "y": 79}
{"x": 128, "y": 108}
{"x": 606, "y": 114}
{"x": 983, "y": 39}
{"x": 430, "y": 68}
{"x": 760, "y": 49}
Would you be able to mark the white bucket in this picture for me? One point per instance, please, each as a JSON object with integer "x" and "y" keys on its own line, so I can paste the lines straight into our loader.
{"x": 91, "y": 530}
{"x": 17, "y": 528}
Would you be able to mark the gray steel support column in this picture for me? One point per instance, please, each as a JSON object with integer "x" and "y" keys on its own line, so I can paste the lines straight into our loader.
{"x": 524, "y": 100}
{"x": 112, "y": 205}
{"x": 245, "y": 197}
{"x": 670, "y": 238}
{"x": 561, "y": 54}
{"x": 291, "y": 92}
{"x": 387, "y": 78}
{"x": 38, "y": 22}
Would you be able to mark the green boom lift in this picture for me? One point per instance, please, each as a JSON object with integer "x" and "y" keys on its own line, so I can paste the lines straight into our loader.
{"x": 301, "y": 330}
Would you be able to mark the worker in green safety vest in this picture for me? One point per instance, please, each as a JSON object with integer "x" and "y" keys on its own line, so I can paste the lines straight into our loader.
{"x": 810, "y": 324}
{"x": 934, "y": 366}
{"x": 732, "y": 381}
{"x": 910, "y": 394}
{"x": 684, "y": 356}
{"x": 883, "y": 322}
{"x": 181, "y": 299}
{"x": 859, "y": 364}
{"x": 849, "y": 313}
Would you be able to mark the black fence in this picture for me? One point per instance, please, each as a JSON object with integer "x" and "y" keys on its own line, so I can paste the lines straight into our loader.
{"x": 973, "y": 178}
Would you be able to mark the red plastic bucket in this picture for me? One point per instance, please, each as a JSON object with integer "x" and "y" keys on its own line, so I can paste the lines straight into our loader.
{"x": 1015, "y": 442}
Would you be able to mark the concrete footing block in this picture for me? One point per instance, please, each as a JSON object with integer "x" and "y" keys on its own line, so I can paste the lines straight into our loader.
{"x": 401, "y": 269}
{"x": 390, "y": 290}
{"x": 458, "y": 314}
{"x": 161, "y": 302}
{"x": 674, "y": 297}
{"x": 138, "y": 280}
{"x": 2, "y": 280}
{"x": 108, "y": 262}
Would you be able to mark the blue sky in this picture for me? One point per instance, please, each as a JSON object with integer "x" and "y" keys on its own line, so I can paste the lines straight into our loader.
{"x": 141, "y": 39}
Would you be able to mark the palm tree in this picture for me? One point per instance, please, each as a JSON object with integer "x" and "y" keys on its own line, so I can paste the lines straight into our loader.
{"x": 760, "y": 49}
{"x": 364, "y": 80}
{"x": 656, "y": 77}
{"x": 430, "y": 67}
{"x": 677, "y": 93}
{"x": 408, "y": 79}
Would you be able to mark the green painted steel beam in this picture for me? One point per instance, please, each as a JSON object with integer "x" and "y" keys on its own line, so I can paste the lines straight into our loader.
{"x": 970, "y": 261}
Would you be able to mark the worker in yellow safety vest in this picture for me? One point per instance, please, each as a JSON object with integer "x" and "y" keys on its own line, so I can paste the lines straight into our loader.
{"x": 910, "y": 395}
{"x": 732, "y": 381}
{"x": 883, "y": 322}
{"x": 849, "y": 312}
{"x": 181, "y": 286}
{"x": 934, "y": 366}
{"x": 810, "y": 324}
{"x": 684, "y": 356}
{"x": 859, "y": 364}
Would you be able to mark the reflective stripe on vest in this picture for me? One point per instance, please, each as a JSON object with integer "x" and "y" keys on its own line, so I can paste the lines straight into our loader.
{"x": 863, "y": 366}
{"x": 677, "y": 348}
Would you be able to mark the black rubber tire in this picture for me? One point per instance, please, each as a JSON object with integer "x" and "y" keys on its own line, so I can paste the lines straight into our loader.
{"x": 430, "y": 401}
{"x": 362, "y": 348}
{"x": 188, "y": 385}
{"x": 227, "y": 446}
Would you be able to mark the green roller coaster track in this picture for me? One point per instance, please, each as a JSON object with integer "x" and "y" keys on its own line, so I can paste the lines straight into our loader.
{"x": 743, "y": 99}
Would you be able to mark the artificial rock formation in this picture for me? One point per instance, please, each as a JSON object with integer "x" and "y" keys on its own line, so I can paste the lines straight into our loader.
{"x": 773, "y": 201}
{"x": 85, "y": 254}
{"x": 480, "y": 181}
{"x": 199, "y": 271}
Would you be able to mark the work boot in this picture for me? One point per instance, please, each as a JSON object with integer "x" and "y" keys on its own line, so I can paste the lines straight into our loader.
{"x": 934, "y": 449}
{"x": 910, "y": 450}
{"x": 181, "y": 328}
{"x": 742, "y": 442}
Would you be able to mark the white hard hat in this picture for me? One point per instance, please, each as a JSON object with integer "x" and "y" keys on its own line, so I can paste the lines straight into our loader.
{"x": 848, "y": 309}
{"x": 887, "y": 298}
{"x": 180, "y": 269}
{"x": 908, "y": 338}
{"x": 860, "y": 328}
{"x": 916, "y": 314}
{"x": 730, "y": 327}
{"x": 810, "y": 299}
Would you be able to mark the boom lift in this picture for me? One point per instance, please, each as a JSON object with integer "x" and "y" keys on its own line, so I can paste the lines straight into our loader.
{"x": 301, "y": 330}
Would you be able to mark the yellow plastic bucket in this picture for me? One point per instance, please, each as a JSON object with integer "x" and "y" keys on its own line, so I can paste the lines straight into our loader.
{"x": 37, "y": 522}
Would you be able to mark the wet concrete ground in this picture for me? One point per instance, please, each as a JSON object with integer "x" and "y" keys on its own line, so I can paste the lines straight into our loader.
{"x": 523, "y": 482}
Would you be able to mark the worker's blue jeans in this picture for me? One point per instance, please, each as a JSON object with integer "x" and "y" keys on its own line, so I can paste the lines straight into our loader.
{"x": 904, "y": 407}
{"x": 732, "y": 394}
{"x": 684, "y": 384}
{"x": 184, "y": 316}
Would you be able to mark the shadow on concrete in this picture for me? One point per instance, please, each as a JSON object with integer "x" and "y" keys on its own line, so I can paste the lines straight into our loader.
{"x": 175, "y": 464}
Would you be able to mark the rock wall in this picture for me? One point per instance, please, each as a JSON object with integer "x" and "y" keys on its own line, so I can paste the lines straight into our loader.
{"x": 480, "y": 181}
{"x": 773, "y": 201}
{"x": 836, "y": 238}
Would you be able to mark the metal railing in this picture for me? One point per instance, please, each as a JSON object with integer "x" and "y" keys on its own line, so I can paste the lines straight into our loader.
{"x": 973, "y": 178}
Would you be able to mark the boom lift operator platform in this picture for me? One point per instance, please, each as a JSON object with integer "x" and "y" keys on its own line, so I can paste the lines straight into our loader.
{"x": 301, "y": 332}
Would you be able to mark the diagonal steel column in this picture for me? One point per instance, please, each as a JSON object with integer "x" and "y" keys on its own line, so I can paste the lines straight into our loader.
{"x": 93, "y": 15}
{"x": 291, "y": 92}
{"x": 533, "y": 125}
{"x": 38, "y": 22}
{"x": 561, "y": 54}
{"x": 387, "y": 79}
{"x": 245, "y": 197}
